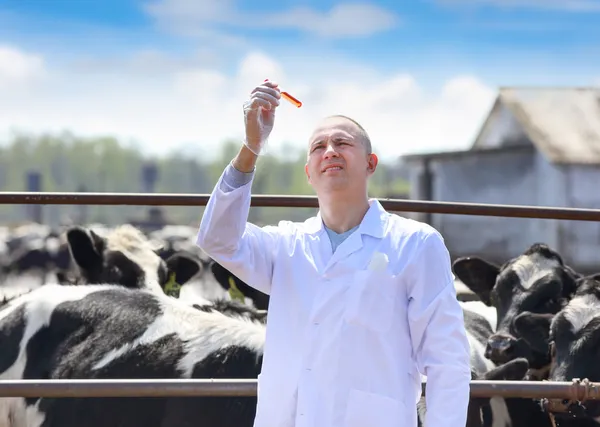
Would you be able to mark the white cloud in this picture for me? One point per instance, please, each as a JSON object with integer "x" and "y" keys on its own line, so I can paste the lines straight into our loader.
{"x": 343, "y": 20}
{"x": 200, "y": 106}
{"x": 199, "y": 17}
{"x": 565, "y": 5}
{"x": 18, "y": 69}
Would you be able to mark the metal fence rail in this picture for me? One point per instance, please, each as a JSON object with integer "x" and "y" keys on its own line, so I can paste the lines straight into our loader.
{"x": 128, "y": 388}
{"x": 574, "y": 391}
{"x": 262, "y": 200}
{"x": 247, "y": 388}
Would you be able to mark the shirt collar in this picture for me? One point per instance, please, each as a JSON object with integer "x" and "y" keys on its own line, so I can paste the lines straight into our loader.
{"x": 373, "y": 223}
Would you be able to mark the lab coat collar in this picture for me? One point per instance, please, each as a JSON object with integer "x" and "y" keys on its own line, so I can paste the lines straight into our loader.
{"x": 373, "y": 223}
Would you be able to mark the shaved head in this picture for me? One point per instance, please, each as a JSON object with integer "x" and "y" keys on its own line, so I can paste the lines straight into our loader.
{"x": 361, "y": 132}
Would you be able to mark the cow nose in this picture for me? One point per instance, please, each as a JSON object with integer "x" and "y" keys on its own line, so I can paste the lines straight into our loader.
{"x": 500, "y": 348}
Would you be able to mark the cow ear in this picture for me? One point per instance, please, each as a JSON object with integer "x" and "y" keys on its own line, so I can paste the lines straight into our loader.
{"x": 515, "y": 370}
{"x": 86, "y": 247}
{"x": 183, "y": 266}
{"x": 534, "y": 328}
{"x": 478, "y": 275}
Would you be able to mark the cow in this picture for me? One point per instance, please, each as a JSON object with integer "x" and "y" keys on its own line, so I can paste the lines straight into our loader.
{"x": 123, "y": 256}
{"x": 238, "y": 288}
{"x": 115, "y": 332}
{"x": 126, "y": 257}
{"x": 170, "y": 243}
{"x": 537, "y": 281}
{"x": 496, "y": 411}
{"x": 572, "y": 339}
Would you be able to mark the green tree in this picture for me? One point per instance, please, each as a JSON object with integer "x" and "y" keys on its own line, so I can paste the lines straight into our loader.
{"x": 71, "y": 163}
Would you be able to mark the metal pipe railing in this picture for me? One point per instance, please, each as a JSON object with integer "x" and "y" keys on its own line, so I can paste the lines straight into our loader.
{"x": 128, "y": 388}
{"x": 247, "y": 388}
{"x": 262, "y": 200}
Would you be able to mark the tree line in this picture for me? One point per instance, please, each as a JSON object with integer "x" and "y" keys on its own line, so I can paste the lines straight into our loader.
{"x": 67, "y": 162}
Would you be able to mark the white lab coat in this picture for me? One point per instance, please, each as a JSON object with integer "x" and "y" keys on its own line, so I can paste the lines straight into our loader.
{"x": 345, "y": 344}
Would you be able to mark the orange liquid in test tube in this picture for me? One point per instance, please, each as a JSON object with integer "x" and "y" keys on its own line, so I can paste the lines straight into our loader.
{"x": 290, "y": 98}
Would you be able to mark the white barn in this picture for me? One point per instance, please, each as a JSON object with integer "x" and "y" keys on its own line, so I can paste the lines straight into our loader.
{"x": 538, "y": 146}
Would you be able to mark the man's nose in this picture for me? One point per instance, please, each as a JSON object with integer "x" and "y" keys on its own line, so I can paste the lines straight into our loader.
{"x": 330, "y": 151}
{"x": 500, "y": 348}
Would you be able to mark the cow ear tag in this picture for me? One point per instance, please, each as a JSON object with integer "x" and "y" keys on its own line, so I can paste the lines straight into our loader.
{"x": 234, "y": 293}
{"x": 172, "y": 288}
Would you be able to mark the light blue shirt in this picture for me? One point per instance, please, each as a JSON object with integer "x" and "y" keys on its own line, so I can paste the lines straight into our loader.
{"x": 234, "y": 178}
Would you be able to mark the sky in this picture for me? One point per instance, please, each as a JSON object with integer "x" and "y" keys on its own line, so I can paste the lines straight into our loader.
{"x": 419, "y": 75}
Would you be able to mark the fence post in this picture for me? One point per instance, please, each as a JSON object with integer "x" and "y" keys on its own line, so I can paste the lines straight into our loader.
{"x": 34, "y": 184}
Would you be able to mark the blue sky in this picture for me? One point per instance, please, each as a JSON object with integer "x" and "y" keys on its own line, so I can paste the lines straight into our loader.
{"x": 420, "y": 75}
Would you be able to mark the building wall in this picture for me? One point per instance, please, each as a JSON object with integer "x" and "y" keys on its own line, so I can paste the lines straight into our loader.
{"x": 580, "y": 240}
{"x": 513, "y": 178}
{"x": 502, "y": 178}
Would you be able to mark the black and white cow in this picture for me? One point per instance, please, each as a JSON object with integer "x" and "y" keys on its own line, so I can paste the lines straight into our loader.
{"x": 537, "y": 281}
{"x": 126, "y": 257}
{"x": 227, "y": 280}
{"x": 496, "y": 411}
{"x": 31, "y": 249}
{"x": 572, "y": 339}
{"x": 114, "y": 332}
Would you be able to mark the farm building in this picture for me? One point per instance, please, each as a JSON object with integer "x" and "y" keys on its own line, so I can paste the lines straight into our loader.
{"x": 538, "y": 146}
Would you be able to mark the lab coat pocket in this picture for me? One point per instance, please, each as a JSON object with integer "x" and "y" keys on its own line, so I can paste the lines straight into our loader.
{"x": 367, "y": 409}
{"x": 371, "y": 300}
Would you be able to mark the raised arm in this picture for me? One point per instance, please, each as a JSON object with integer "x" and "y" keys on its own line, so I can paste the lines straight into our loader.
{"x": 225, "y": 233}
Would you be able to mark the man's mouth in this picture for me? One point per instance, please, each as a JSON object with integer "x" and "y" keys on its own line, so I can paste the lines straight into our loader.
{"x": 332, "y": 168}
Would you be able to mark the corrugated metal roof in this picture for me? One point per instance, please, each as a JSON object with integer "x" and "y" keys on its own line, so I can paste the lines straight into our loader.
{"x": 563, "y": 123}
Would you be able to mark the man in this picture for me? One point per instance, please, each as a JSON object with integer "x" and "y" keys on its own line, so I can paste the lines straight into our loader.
{"x": 361, "y": 301}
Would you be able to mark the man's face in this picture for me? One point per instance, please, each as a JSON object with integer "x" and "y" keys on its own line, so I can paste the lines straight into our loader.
{"x": 337, "y": 157}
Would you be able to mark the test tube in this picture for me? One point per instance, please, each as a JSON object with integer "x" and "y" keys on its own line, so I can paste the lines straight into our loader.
{"x": 290, "y": 98}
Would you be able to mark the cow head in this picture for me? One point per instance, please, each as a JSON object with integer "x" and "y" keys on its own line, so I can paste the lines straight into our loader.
{"x": 237, "y": 287}
{"x": 536, "y": 281}
{"x": 126, "y": 257}
{"x": 575, "y": 350}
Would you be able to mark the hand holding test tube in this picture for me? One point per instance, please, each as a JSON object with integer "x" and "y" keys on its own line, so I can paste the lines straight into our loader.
{"x": 259, "y": 114}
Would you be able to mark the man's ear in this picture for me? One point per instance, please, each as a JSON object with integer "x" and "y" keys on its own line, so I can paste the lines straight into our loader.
{"x": 372, "y": 163}
{"x": 306, "y": 172}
